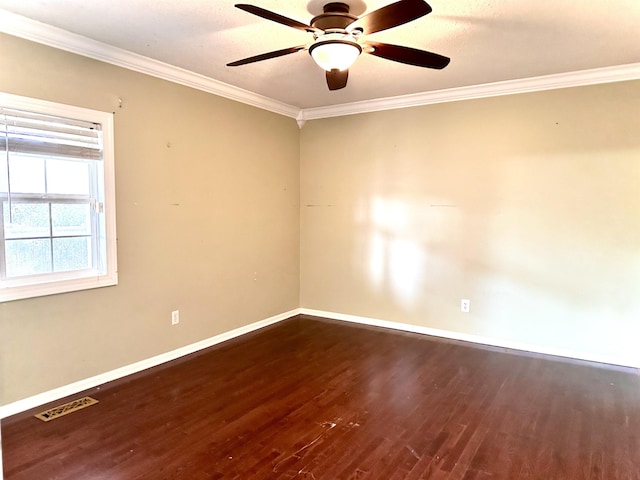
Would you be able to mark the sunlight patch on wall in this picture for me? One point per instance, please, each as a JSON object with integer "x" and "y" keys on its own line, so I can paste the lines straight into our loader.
{"x": 406, "y": 244}
{"x": 377, "y": 259}
{"x": 390, "y": 215}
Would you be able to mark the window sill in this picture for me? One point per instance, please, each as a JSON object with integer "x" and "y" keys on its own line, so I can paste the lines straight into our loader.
{"x": 20, "y": 292}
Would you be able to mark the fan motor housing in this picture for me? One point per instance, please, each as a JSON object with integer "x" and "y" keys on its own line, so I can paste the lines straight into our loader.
{"x": 336, "y": 15}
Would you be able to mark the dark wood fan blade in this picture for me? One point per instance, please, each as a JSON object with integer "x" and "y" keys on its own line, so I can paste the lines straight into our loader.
{"x": 411, "y": 56}
{"x": 337, "y": 79}
{"x": 266, "y": 56}
{"x": 274, "y": 17}
{"x": 391, "y": 16}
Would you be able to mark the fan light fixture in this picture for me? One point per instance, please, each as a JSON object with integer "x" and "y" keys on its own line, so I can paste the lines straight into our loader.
{"x": 339, "y": 37}
{"x": 335, "y": 53}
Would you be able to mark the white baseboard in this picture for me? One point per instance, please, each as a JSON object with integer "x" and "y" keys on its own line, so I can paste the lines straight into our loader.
{"x": 73, "y": 388}
{"x": 466, "y": 337}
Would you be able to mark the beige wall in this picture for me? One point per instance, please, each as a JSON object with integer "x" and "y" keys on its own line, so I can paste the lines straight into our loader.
{"x": 528, "y": 205}
{"x": 207, "y": 215}
{"x": 525, "y": 204}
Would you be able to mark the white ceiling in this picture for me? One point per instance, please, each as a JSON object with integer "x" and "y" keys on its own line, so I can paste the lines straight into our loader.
{"x": 488, "y": 41}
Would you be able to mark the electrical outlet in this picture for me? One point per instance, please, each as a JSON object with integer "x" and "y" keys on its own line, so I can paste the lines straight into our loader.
{"x": 465, "y": 304}
{"x": 175, "y": 317}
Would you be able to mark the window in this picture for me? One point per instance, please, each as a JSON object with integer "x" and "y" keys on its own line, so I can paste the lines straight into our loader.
{"x": 57, "y": 198}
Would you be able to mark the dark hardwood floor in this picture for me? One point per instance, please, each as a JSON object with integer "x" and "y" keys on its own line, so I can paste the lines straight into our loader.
{"x": 316, "y": 399}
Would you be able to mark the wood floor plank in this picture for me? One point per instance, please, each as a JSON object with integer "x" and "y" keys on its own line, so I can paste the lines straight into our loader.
{"x": 315, "y": 399}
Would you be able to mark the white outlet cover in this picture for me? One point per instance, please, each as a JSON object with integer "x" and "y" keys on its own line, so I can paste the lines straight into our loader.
{"x": 465, "y": 305}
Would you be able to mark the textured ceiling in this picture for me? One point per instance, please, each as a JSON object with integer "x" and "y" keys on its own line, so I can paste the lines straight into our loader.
{"x": 488, "y": 41}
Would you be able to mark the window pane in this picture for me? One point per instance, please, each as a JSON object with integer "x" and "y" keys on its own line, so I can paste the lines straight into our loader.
{"x": 70, "y": 219}
{"x": 66, "y": 176}
{"x": 27, "y": 257}
{"x": 71, "y": 253}
{"x": 26, "y": 174}
{"x": 27, "y": 220}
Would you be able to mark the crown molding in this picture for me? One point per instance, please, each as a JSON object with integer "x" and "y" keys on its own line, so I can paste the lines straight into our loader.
{"x": 28, "y": 29}
{"x": 618, "y": 73}
{"x": 39, "y": 32}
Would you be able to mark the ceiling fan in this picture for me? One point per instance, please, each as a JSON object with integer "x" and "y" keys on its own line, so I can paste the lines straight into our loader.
{"x": 338, "y": 38}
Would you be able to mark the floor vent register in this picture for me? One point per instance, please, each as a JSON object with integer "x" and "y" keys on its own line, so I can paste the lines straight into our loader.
{"x": 65, "y": 409}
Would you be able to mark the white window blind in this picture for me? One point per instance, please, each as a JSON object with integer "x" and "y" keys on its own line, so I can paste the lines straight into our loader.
{"x": 32, "y": 133}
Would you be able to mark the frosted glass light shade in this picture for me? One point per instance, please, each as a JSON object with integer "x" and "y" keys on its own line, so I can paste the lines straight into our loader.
{"x": 335, "y": 54}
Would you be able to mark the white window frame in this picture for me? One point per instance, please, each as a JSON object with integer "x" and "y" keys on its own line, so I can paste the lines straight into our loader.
{"x": 54, "y": 283}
